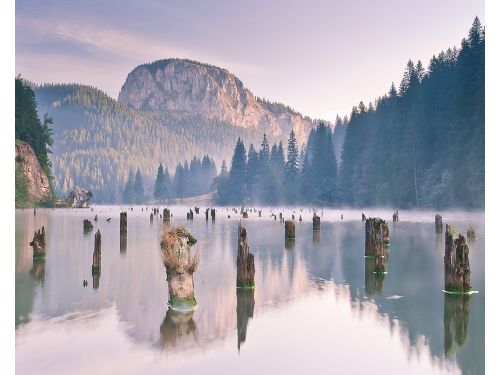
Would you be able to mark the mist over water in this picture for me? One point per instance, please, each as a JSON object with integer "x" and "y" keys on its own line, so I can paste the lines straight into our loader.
{"x": 316, "y": 297}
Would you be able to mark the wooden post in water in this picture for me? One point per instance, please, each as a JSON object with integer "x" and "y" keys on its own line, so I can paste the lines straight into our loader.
{"x": 96, "y": 256}
{"x": 38, "y": 244}
{"x": 212, "y": 213}
{"x": 395, "y": 216}
{"x": 376, "y": 232}
{"x": 316, "y": 222}
{"x": 456, "y": 264}
{"x": 166, "y": 215}
{"x": 438, "y": 223}
{"x": 123, "y": 222}
{"x": 245, "y": 267}
{"x": 289, "y": 230}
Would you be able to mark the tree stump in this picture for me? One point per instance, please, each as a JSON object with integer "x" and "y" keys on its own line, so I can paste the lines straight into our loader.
{"x": 245, "y": 215}
{"x": 260, "y": 213}
{"x": 245, "y": 268}
{"x": 95, "y": 218}
{"x": 395, "y": 216}
{"x": 166, "y": 215}
{"x": 456, "y": 264}
{"x": 96, "y": 256}
{"x": 438, "y": 223}
{"x": 300, "y": 217}
{"x": 180, "y": 265}
{"x": 376, "y": 232}
{"x": 281, "y": 216}
{"x": 38, "y": 244}
{"x": 341, "y": 216}
{"x": 123, "y": 222}
{"x": 87, "y": 225}
{"x": 316, "y": 222}
{"x": 289, "y": 230}
{"x": 151, "y": 217}
{"x": 212, "y": 213}
{"x": 190, "y": 215}
{"x": 197, "y": 210}
{"x": 363, "y": 217}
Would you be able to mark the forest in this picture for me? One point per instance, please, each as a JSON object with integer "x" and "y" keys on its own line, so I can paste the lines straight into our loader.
{"x": 420, "y": 145}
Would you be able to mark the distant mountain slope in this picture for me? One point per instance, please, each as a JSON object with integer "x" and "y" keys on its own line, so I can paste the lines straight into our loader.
{"x": 186, "y": 86}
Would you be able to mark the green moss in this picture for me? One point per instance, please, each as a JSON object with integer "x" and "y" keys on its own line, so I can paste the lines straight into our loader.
{"x": 182, "y": 304}
{"x": 246, "y": 285}
{"x": 39, "y": 256}
{"x": 96, "y": 271}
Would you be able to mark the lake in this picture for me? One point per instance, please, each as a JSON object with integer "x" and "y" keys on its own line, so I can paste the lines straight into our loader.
{"x": 317, "y": 306}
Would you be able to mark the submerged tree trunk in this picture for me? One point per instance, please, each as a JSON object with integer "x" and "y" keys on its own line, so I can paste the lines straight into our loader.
{"x": 245, "y": 268}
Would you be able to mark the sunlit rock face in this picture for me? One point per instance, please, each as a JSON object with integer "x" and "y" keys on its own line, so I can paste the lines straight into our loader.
{"x": 185, "y": 86}
{"x": 26, "y": 160}
{"x": 180, "y": 265}
{"x": 79, "y": 198}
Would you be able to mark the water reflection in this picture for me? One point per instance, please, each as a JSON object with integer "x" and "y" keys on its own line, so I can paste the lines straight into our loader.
{"x": 375, "y": 270}
{"x": 38, "y": 271}
{"x": 123, "y": 243}
{"x": 289, "y": 244}
{"x": 245, "y": 303}
{"x": 316, "y": 237}
{"x": 95, "y": 280}
{"x": 176, "y": 328}
{"x": 456, "y": 320}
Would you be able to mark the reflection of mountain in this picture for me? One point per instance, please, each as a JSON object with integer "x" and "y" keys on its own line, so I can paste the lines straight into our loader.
{"x": 136, "y": 283}
{"x": 456, "y": 319}
{"x": 245, "y": 303}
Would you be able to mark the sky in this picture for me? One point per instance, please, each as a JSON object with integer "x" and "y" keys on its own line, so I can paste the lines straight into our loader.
{"x": 321, "y": 57}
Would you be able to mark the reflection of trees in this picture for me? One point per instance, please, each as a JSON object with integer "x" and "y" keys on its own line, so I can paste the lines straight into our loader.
{"x": 245, "y": 303}
{"x": 38, "y": 270}
{"x": 456, "y": 320}
{"x": 176, "y": 326}
{"x": 375, "y": 269}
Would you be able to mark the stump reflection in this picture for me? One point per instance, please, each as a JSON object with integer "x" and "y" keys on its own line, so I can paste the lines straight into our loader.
{"x": 245, "y": 303}
{"x": 177, "y": 326}
{"x": 375, "y": 270}
{"x": 456, "y": 320}
{"x": 38, "y": 271}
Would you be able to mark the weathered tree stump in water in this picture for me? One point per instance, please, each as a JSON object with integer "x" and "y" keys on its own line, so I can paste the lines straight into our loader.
{"x": 376, "y": 236}
{"x": 180, "y": 265}
{"x": 363, "y": 217}
{"x": 96, "y": 256}
{"x": 260, "y": 213}
{"x": 151, "y": 217}
{"x": 38, "y": 244}
{"x": 245, "y": 268}
{"x": 197, "y": 210}
{"x": 95, "y": 218}
{"x": 438, "y": 223}
{"x": 245, "y": 215}
{"x": 289, "y": 230}
{"x": 281, "y": 216}
{"x": 123, "y": 222}
{"x": 300, "y": 217}
{"x": 395, "y": 216}
{"x": 190, "y": 215}
{"x": 166, "y": 215}
{"x": 212, "y": 213}
{"x": 316, "y": 222}
{"x": 341, "y": 216}
{"x": 456, "y": 264}
{"x": 87, "y": 225}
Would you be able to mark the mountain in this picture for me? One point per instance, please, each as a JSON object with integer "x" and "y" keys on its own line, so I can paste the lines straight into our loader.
{"x": 167, "y": 112}
{"x": 188, "y": 87}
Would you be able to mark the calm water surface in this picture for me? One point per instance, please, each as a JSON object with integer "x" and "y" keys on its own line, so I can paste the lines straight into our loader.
{"x": 317, "y": 306}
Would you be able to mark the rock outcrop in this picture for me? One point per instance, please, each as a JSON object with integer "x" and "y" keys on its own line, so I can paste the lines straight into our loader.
{"x": 185, "y": 86}
{"x": 79, "y": 198}
{"x": 37, "y": 181}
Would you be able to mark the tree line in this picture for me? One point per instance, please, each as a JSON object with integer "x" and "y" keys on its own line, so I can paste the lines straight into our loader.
{"x": 421, "y": 145}
{"x": 190, "y": 179}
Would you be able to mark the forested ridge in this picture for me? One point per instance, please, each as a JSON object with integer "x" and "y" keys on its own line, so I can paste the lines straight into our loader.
{"x": 421, "y": 145}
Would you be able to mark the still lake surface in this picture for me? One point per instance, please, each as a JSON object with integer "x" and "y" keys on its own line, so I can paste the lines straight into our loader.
{"x": 317, "y": 306}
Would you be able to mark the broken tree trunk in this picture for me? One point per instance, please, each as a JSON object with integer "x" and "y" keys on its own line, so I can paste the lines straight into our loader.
{"x": 316, "y": 222}
{"x": 438, "y": 223}
{"x": 289, "y": 230}
{"x": 166, "y": 215}
{"x": 38, "y": 244}
{"x": 245, "y": 268}
{"x": 180, "y": 265}
{"x": 245, "y": 215}
{"x": 456, "y": 264}
{"x": 395, "y": 216}
{"x": 197, "y": 210}
{"x": 96, "y": 256}
{"x": 363, "y": 217}
{"x": 376, "y": 232}
{"x": 212, "y": 213}
{"x": 123, "y": 222}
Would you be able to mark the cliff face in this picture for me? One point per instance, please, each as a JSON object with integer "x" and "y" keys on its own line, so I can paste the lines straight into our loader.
{"x": 186, "y": 86}
{"x": 37, "y": 181}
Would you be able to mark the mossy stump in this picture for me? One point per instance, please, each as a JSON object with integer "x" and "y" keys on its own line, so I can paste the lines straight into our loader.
{"x": 456, "y": 264}
{"x": 166, "y": 215}
{"x": 376, "y": 236}
{"x": 316, "y": 222}
{"x": 38, "y": 244}
{"x": 123, "y": 222}
{"x": 289, "y": 230}
{"x": 245, "y": 267}
{"x": 87, "y": 225}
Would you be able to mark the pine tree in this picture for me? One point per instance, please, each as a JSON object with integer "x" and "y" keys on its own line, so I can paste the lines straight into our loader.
{"x": 129, "y": 192}
{"x": 138, "y": 188}
{"x": 159, "y": 190}
{"x": 292, "y": 168}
